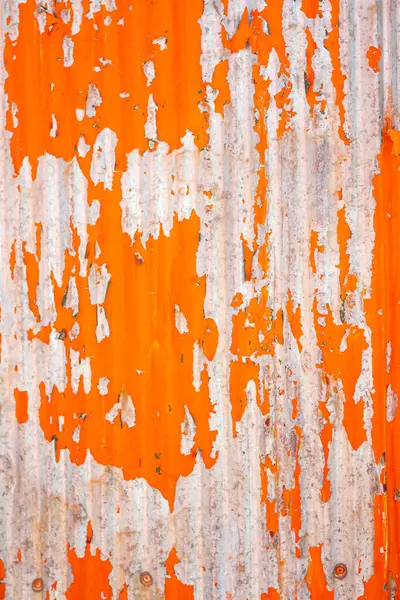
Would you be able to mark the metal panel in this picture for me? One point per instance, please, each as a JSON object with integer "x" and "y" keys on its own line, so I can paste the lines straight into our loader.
{"x": 200, "y": 299}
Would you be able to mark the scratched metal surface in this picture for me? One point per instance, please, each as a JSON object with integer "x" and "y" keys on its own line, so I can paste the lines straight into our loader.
{"x": 200, "y": 291}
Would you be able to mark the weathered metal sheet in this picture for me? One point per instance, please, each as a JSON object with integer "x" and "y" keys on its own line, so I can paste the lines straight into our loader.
{"x": 200, "y": 299}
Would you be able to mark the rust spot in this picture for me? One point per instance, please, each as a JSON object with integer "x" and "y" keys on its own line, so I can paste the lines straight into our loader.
{"x": 146, "y": 579}
{"x": 340, "y": 571}
{"x": 37, "y": 584}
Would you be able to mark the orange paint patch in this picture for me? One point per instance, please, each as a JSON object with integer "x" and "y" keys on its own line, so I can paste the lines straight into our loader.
{"x": 43, "y": 334}
{"x": 2, "y": 584}
{"x": 255, "y": 330}
{"x": 248, "y": 255}
{"x": 21, "y": 411}
{"x": 294, "y": 317}
{"x": 12, "y": 259}
{"x": 151, "y": 372}
{"x": 374, "y": 57}
{"x": 90, "y": 575}
{"x": 174, "y": 588}
{"x": 326, "y": 438}
{"x": 315, "y": 577}
{"x": 272, "y": 594}
{"x": 383, "y": 317}
{"x": 311, "y": 8}
{"x": 32, "y": 277}
{"x": 343, "y": 364}
{"x": 107, "y": 54}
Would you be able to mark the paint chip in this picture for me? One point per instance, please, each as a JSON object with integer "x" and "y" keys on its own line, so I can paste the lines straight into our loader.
{"x": 102, "y": 386}
{"x": 93, "y": 100}
{"x": 149, "y": 71}
{"x": 68, "y": 49}
{"x": 162, "y": 42}
{"x": 83, "y": 147}
{"x": 53, "y": 130}
{"x": 188, "y": 431}
{"x": 180, "y": 321}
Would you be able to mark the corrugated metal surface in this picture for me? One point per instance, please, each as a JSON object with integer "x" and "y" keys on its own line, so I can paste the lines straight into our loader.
{"x": 200, "y": 296}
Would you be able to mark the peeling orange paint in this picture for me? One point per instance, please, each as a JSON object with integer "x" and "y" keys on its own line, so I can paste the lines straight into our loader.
{"x": 3, "y": 588}
{"x": 91, "y": 574}
{"x": 374, "y": 57}
{"x": 126, "y": 43}
{"x": 315, "y": 578}
{"x": 159, "y": 396}
{"x": 174, "y": 588}
{"x": 343, "y": 364}
{"x": 311, "y": 8}
{"x": 332, "y": 44}
{"x": 314, "y": 246}
{"x": 21, "y": 406}
{"x": 126, "y": 335}
{"x": 383, "y": 312}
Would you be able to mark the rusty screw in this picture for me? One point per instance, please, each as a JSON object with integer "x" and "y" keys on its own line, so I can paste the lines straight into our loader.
{"x": 340, "y": 571}
{"x": 37, "y": 584}
{"x": 146, "y": 579}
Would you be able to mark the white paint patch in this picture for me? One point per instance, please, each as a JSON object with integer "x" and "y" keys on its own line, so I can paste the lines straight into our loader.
{"x": 76, "y": 436}
{"x": 124, "y": 409}
{"x": 68, "y": 49}
{"x": 80, "y": 368}
{"x": 198, "y": 365}
{"x": 14, "y": 112}
{"x": 392, "y": 402}
{"x": 102, "y": 386}
{"x": 102, "y": 327}
{"x": 74, "y": 331}
{"x": 65, "y": 15}
{"x": 180, "y": 321}
{"x": 83, "y": 147}
{"x": 103, "y": 158}
{"x": 99, "y": 279}
{"x": 128, "y": 411}
{"x": 188, "y": 432}
{"x": 113, "y": 412}
{"x": 161, "y": 42}
{"x": 150, "y": 127}
{"x": 71, "y": 298}
{"x": 53, "y": 130}
{"x": 149, "y": 71}
{"x": 94, "y": 213}
{"x": 93, "y": 100}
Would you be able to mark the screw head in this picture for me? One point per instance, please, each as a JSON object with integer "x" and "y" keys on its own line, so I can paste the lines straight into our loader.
{"x": 340, "y": 571}
{"x": 146, "y": 579}
{"x": 37, "y": 584}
